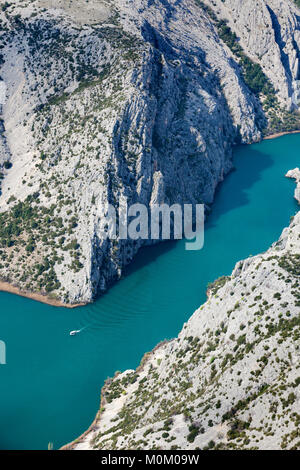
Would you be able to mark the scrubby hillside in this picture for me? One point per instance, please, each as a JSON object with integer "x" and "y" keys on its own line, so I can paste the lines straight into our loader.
{"x": 145, "y": 100}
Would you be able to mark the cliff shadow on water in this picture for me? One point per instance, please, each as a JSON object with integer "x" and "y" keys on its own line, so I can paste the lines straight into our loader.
{"x": 249, "y": 165}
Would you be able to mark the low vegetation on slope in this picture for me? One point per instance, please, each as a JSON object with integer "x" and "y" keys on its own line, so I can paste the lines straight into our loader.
{"x": 67, "y": 138}
{"x": 279, "y": 119}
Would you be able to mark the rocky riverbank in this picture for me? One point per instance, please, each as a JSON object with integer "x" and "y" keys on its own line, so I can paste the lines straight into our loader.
{"x": 38, "y": 297}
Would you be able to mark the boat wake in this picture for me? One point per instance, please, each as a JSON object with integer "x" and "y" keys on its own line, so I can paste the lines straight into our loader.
{"x": 76, "y": 332}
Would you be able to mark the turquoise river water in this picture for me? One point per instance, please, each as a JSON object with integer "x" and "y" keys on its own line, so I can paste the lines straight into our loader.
{"x": 50, "y": 386}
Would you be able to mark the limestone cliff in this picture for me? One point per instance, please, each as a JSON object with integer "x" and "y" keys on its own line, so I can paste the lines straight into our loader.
{"x": 268, "y": 33}
{"x": 295, "y": 174}
{"x": 142, "y": 99}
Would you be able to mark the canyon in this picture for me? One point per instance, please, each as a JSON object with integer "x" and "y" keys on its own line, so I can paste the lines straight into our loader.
{"x": 143, "y": 100}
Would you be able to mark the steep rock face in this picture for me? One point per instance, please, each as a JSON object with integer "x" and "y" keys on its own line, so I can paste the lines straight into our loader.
{"x": 269, "y": 33}
{"x": 231, "y": 380}
{"x": 295, "y": 174}
{"x": 103, "y": 101}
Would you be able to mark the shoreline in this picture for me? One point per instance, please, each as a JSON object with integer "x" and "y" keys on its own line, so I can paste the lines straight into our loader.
{"x": 280, "y": 134}
{"x": 42, "y": 298}
{"x": 93, "y": 427}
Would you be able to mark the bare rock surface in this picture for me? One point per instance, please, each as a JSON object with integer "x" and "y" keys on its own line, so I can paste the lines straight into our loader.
{"x": 295, "y": 174}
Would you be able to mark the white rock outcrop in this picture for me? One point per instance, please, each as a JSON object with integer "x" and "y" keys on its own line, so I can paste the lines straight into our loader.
{"x": 269, "y": 34}
{"x": 295, "y": 174}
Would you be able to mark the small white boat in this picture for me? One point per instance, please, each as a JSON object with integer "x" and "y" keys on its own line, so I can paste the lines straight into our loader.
{"x": 74, "y": 332}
